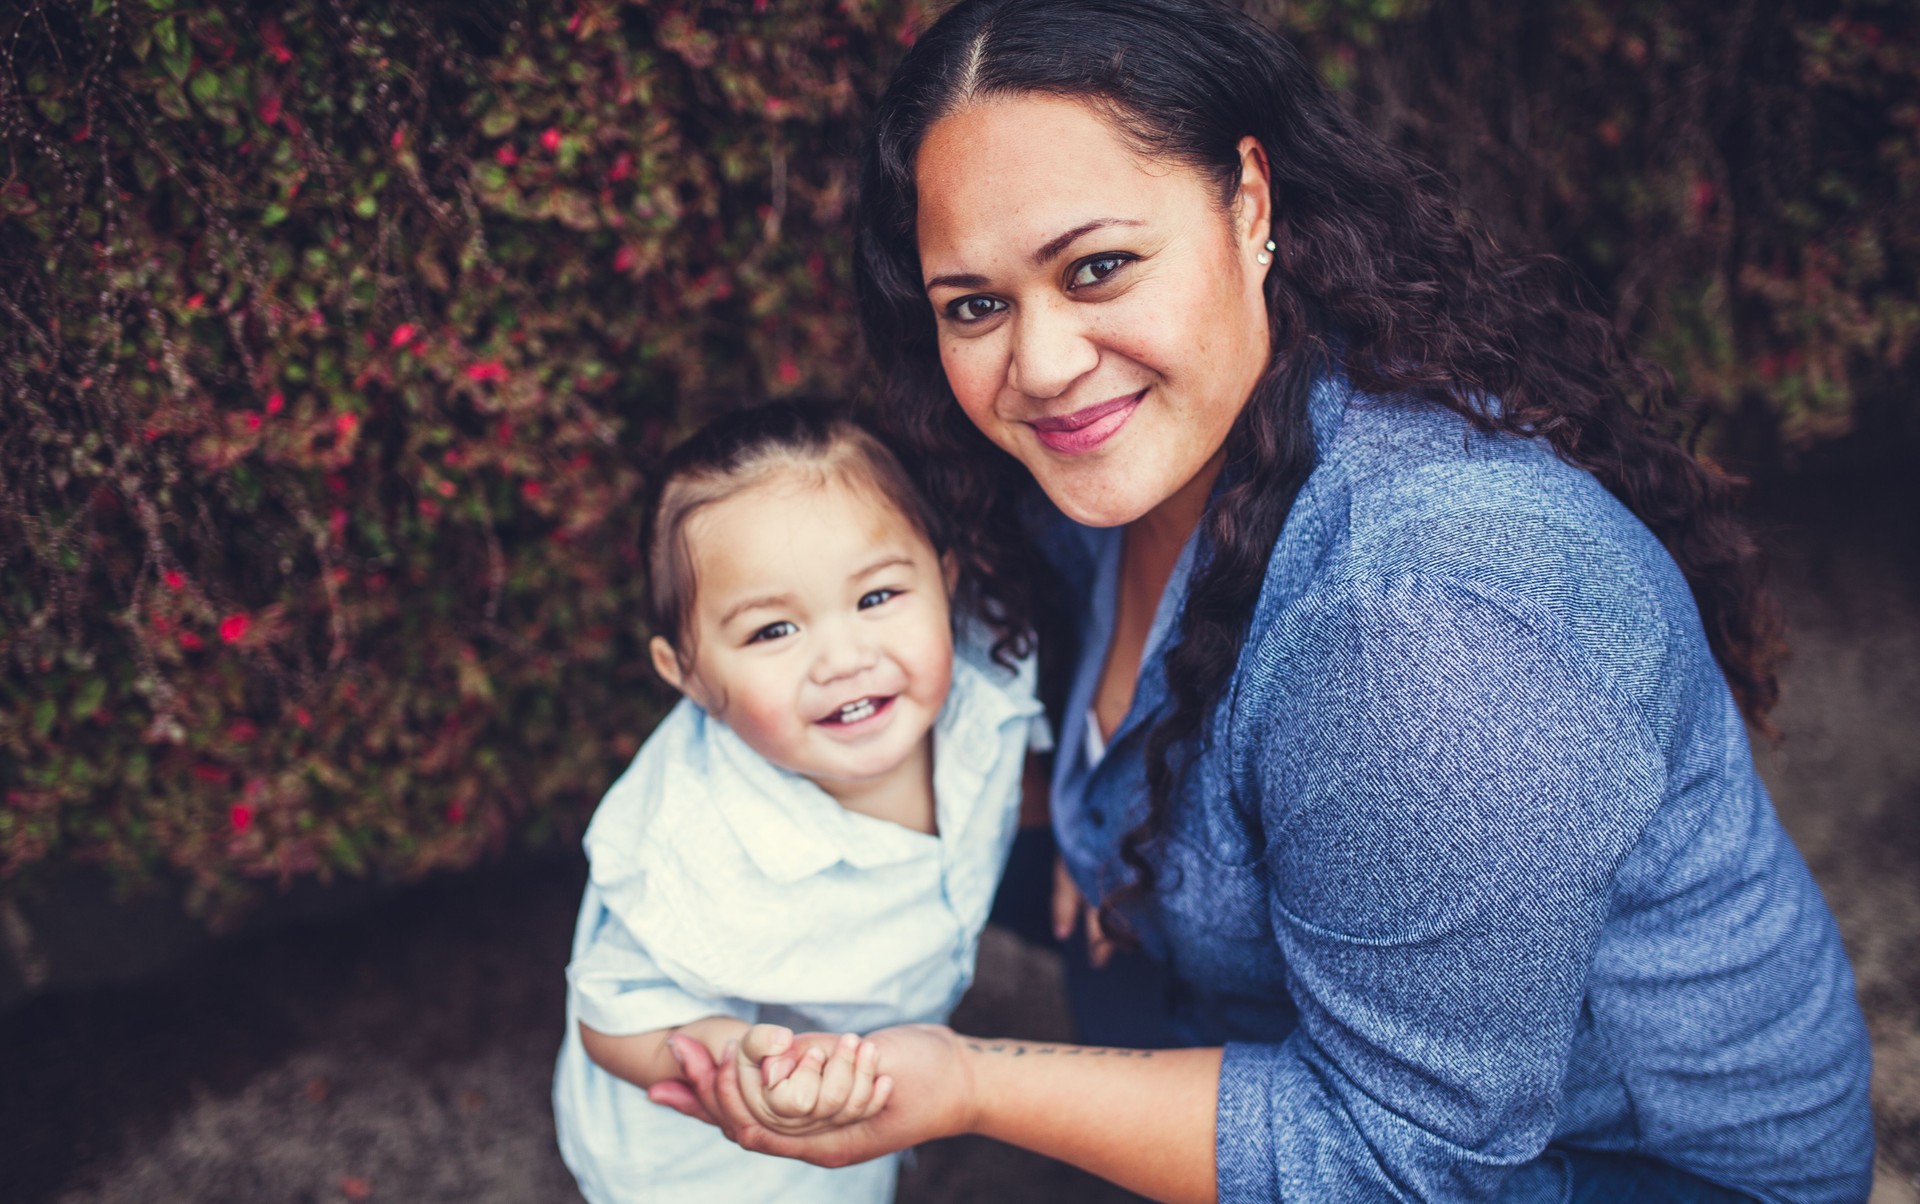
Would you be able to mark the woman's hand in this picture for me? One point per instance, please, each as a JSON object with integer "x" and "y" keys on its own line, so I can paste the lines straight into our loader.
{"x": 933, "y": 1096}
{"x": 1069, "y": 906}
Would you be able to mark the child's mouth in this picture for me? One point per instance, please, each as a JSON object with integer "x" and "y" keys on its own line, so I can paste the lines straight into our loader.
{"x": 857, "y": 710}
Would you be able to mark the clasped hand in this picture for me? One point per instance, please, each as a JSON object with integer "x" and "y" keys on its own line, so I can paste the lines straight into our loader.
{"x": 823, "y": 1098}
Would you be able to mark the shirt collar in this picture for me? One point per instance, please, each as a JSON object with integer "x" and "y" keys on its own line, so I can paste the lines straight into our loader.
{"x": 792, "y": 829}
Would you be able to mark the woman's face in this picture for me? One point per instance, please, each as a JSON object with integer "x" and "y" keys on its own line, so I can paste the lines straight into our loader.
{"x": 1100, "y": 315}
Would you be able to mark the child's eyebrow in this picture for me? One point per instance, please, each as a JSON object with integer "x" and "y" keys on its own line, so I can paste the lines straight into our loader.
{"x": 885, "y": 562}
{"x": 762, "y": 601}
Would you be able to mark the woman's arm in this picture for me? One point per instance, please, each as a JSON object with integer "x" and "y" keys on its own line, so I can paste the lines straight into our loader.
{"x": 1143, "y": 1119}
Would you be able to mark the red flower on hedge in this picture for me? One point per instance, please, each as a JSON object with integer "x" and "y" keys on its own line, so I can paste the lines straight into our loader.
{"x": 622, "y": 166}
{"x": 191, "y": 642}
{"x": 173, "y": 579}
{"x": 276, "y": 41}
{"x": 276, "y": 402}
{"x": 456, "y": 812}
{"x": 344, "y": 423}
{"x": 240, "y": 816}
{"x": 253, "y": 422}
{"x": 550, "y": 139}
{"x": 233, "y": 627}
{"x": 531, "y": 489}
{"x": 403, "y": 334}
{"x": 487, "y": 370}
{"x": 506, "y": 156}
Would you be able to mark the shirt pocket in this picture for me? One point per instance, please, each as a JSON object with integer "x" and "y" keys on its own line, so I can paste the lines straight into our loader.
{"x": 1205, "y": 899}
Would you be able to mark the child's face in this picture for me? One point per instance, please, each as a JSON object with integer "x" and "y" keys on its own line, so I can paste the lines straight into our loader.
{"x": 819, "y": 628}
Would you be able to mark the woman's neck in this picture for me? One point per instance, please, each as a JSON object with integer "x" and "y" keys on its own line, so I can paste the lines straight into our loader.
{"x": 1154, "y": 540}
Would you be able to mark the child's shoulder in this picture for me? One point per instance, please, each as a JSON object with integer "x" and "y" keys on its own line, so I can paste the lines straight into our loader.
{"x": 656, "y": 793}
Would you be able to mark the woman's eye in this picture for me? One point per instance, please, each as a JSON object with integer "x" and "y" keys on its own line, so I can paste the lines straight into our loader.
{"x": 1096, "y": 270}
{"x": 875, "y": 597}
{"x": 974, "y": 309}
{"x": 772, "y": 631}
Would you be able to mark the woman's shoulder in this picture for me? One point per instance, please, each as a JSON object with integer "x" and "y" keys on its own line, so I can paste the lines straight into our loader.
{"x": 1410, "y": 491}
{"x": 1419, "y": 490}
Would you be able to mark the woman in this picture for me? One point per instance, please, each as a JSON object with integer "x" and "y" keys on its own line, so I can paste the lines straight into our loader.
{"x": 1409, "y": 654}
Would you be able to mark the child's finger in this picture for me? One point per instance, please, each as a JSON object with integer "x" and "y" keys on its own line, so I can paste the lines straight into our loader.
{"x": 882, "y": 1092}
{"x": 799, "y": 1094}
{"x": 836, "y": 1081}
{"x": 775, "y": 1070}
{"x": 865, "y": 1062}
{"x": 762, "y": 1041}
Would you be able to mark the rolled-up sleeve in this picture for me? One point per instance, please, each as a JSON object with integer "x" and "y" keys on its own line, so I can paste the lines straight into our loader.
{"x": 1448, "y": 787}
{"x": 617, "y": 988}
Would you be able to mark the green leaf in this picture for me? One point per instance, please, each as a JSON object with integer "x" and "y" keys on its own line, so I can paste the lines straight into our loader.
{"x": 273, "y": 214}
{"x": 366, "y": 206}
{"x": 44, "y": 713}
{"x": 88, "y": 700}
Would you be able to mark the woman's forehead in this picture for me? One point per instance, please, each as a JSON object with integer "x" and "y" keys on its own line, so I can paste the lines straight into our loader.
{"x": 1004, "y": 177}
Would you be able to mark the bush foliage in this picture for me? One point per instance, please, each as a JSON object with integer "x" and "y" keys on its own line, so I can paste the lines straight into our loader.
{"x": 335, "y": 334}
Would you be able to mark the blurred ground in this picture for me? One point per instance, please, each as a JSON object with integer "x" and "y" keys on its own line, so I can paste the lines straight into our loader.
{"x": 404, "y": 1054}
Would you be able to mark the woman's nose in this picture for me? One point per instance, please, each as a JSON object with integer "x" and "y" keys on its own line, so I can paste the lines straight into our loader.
{"x": 1051, "y": 349}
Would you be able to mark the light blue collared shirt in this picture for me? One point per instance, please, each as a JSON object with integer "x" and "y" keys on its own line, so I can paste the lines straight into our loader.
{"x": 721, "y": 884}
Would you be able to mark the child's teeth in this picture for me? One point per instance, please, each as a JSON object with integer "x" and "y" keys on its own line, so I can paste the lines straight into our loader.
{"x": 854, "y": 712}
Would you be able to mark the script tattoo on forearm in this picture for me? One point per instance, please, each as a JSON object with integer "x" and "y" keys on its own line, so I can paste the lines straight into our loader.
{"x": 1020, "y": 1049}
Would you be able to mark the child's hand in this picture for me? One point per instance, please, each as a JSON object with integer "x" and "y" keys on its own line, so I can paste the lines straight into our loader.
{"x": 799, "y": 1086}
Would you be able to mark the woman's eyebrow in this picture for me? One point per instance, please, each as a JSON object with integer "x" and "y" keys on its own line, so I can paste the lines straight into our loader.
{"x": 1045, "y": 252}
{"x": 1059, "y": 243}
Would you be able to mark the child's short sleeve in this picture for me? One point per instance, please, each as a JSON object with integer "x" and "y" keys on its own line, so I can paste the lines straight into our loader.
{"x": 617, "y": 988}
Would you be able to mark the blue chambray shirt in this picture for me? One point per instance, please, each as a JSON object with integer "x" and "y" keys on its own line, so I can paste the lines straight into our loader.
{"x": 720, "y": 884}
{"x": 1475, "y": 858}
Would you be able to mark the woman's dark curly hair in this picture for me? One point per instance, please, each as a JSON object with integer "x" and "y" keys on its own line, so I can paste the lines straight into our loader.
{"x": 1375, "y": 271}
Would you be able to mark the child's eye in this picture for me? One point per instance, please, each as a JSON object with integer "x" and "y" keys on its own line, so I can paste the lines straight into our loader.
{"x": 1096, "y": 270}
{"x": 875, "y": 597}
{"x": 772, "y": 631}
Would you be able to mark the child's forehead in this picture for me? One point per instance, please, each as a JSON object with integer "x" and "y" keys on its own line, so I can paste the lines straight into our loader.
{"x": 842, "y": 485}
{"x": 800, "y": 518}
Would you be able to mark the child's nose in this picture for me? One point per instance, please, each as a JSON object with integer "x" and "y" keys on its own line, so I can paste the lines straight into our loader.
{"x": 842, "y": 655}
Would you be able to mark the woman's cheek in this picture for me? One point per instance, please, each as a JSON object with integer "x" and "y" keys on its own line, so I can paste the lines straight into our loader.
{"x": 974, "y": 370}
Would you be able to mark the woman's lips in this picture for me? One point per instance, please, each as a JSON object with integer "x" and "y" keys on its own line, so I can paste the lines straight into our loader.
{"x": 1084, "y": 430}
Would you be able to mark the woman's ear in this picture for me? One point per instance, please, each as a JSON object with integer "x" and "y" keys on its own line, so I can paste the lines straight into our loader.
{"x": 666, "y": 662}
{"x": 1253, "y": 200}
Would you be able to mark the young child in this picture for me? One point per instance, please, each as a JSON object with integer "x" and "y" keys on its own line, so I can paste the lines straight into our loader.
{"x": 811, "y": 838}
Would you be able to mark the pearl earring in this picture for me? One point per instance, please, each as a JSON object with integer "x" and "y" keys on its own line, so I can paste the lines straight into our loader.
{"x": 1265, "y": 256}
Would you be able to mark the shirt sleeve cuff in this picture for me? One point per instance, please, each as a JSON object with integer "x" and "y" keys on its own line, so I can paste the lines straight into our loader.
{"x": 1290, "y": 1127}
{"x": 617, "y": 989}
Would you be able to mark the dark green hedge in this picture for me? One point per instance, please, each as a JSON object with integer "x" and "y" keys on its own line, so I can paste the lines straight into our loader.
{"x": 331, "y": 341}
